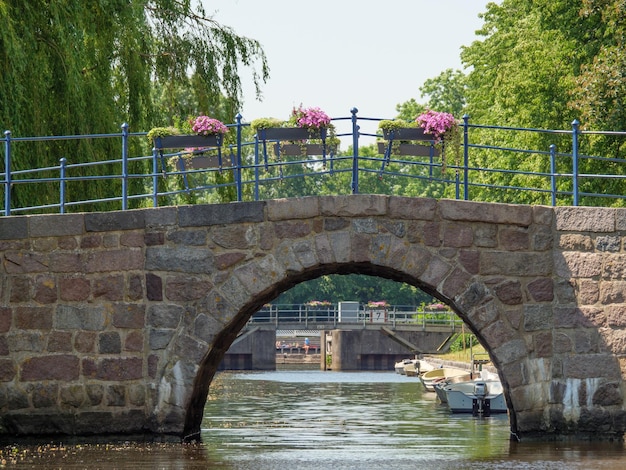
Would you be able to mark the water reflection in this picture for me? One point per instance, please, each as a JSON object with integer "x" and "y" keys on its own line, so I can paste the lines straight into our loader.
{"x": 293, "y": 419}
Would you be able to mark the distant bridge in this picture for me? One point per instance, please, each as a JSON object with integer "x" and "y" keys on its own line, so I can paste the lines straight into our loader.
{"x": 379, "y": 337}
{"x": 303, "y": 317}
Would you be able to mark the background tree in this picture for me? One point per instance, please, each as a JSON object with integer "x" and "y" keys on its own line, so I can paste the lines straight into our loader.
{"x": 524, "y": 73}
{"x": 446, "y": 92}
{"x": 73, "y": 67}
{"x": 409, "y": 110}
{"x": 354, "y": 287}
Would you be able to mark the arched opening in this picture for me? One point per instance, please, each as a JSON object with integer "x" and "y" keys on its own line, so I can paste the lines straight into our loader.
{"x": 227, "y": 335}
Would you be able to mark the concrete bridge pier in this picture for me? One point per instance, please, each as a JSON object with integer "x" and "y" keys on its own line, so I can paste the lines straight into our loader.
{"x": 375, "y": 349}
{"x": 253, "y": 350}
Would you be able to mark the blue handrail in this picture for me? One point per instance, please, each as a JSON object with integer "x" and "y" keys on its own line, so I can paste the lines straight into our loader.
{"x": 249, "y": 174}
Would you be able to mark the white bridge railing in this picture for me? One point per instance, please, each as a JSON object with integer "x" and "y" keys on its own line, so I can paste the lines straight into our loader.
{"x": 306, "y": 316}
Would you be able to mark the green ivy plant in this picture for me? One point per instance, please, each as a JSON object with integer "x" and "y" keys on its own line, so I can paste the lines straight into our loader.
{"x": 267, "y": 123}
{"x": 162, "y": 132}
{"x": 389, "y": 125}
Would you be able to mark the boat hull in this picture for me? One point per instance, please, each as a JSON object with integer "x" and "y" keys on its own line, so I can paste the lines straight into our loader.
{"x": 462, "y": 397}
{"x": 429, "y": 378}
{"x": 411, "y": 369}
{"x": 399, "y": 366}
{"x": 439, "y": 386}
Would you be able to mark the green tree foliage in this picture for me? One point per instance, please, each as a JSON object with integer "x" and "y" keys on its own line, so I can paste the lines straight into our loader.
{"x": 354, "y": 287}
{"x": 409, "y": 110}
{"x": 74, "y": 67}
{"x": 599, "y": 95}
{"x": 542, "y": 64}
{"x": 522, "y": 72}
{"x": 446, "y": 92}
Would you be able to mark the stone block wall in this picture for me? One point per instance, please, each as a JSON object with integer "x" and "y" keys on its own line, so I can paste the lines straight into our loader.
{"x": 116, "y": 322}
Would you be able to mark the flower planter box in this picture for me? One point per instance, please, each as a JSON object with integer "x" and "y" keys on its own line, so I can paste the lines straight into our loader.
{"x": 186, "y": 141}
{"x": 190, "y": 141}
{"x": 290, "y": 133}
{"x": 413, "y": 150}
{"x": 200, "y": 163}
{"x": 297, "y": 138}
{"x": 397, "y": 143}
{"x": 407, "y": 133}
{"x": 301, "y": 149}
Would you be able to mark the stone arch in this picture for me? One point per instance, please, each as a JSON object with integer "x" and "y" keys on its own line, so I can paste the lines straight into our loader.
{"x": 210, "y": 362}
{"x": 431, "y": 272}
{"x": 494, "y": 268}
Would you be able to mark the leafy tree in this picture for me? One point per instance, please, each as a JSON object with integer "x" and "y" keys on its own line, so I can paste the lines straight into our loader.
{"x": 446, "y": 92}
{"x": 73, "y": 67}
{"x": 599, "y": 94}
{"x": 521, "y": 73}
{"x": 409, "y": 110}
{"x": 354, "y": 287}
{"x": 534, "y": 58}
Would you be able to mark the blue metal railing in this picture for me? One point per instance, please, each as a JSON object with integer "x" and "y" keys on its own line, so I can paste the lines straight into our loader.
{"x": 152, "y": 179}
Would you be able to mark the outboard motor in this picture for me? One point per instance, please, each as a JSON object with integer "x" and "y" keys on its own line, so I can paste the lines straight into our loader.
{"x": 481, "y": 404}
{"x": 480, "y": 390}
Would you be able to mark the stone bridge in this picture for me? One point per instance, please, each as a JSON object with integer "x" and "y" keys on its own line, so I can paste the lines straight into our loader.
{"x": 115, "y": 323}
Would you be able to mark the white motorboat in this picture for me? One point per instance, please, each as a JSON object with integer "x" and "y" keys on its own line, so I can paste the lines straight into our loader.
{"x": 411, "y": 369}
{"x": 424, "y": 367}
{"x": 439, "y": 385}
{"x": 399, "y": 366}
{"x": 479, "y": 397}
{"x": 440, "y": 375}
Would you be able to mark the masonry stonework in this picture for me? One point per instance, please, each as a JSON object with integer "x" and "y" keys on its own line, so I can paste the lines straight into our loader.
{"x": 115, "y": 323}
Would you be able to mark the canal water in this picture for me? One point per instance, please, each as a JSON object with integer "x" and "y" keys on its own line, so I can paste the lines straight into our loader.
{"x": 309, "y": 419}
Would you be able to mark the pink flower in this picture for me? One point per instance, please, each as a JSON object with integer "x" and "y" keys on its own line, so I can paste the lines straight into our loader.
{"x": 438, "y": 306}
{"x": 436, "y": 123}
{"x": 205, "y": 125}
{"x": 318, "y": 303}
{"x": 311, "y": 118}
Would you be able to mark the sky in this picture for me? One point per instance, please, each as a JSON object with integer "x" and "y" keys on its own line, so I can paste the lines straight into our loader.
{"x": 342, "y": 54}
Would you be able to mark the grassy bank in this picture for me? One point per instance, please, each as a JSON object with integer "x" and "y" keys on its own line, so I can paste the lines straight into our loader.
{"x": 465, "y": 355}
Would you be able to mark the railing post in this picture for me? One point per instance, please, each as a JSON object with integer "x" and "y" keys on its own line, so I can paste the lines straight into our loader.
{"x": 62, "y": 176}
{"x": 465, "y": 157}
{"x": 575, "y": 131}
{"x": 256, "y": 167}
{"x": 238, "y": 169}
{"x": 355, "y": 152}
{"x": 125, "y": 166}
{"x": 7, "y": 173}
{"x": 155, "y": 177}
{"x": 553, "y": 173}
